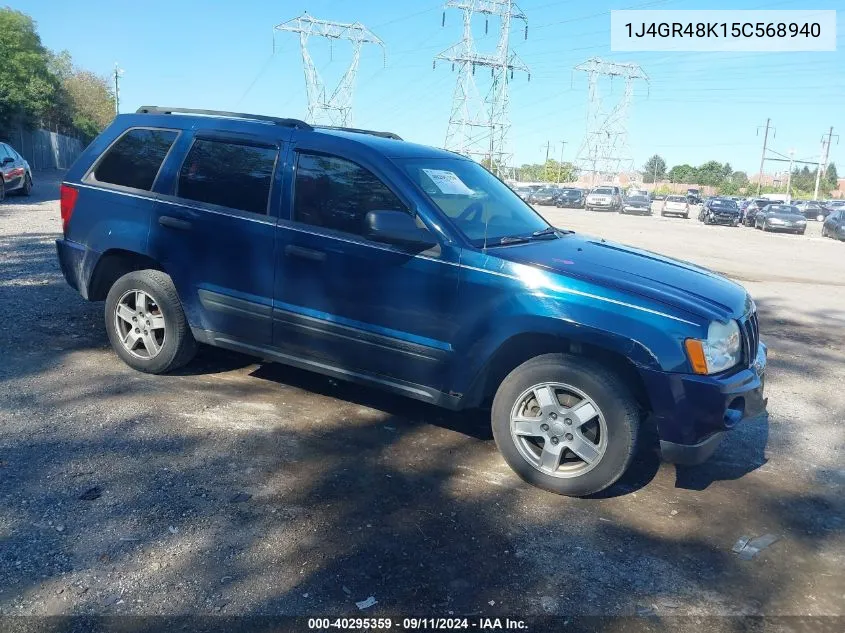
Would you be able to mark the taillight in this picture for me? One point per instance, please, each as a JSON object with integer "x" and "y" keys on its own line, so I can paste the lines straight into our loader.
{"x": 67, "y": 196}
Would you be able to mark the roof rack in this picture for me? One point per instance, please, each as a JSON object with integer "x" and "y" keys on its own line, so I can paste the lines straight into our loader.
{"x": 356, "y": 130}
{"x": 295, "y": 123}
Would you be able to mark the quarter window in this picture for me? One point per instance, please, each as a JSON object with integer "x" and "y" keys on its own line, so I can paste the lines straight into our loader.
{"x": 228, "y": 174}
{"x": 134, "y": 160}
{"x": 337, "y": 194}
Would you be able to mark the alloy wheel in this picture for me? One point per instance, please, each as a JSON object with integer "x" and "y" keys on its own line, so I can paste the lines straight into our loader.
{"x": 140, "y": 324}
{"x": 558, "y": 429}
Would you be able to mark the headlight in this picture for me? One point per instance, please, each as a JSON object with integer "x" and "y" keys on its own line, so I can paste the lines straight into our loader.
{"x": 719, "y": 352}
{"x": 800, "y": 221}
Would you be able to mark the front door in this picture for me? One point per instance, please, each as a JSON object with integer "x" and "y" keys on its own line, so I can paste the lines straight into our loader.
{"x": 355, "y": 304}
{"x": 215, "y": 233}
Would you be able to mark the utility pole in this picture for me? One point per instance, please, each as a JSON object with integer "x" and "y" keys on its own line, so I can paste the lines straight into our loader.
{"x": 789, "y": 177}
{"x": 560, "y": 164}
{"x": 763, "y": 155}
{"x": 822, "y": 166}
{"x": 118, "y": 73}
{"x": 546, "y": 164}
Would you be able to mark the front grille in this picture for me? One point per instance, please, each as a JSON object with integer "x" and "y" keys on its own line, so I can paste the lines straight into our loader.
{"x": 750, "y": 337}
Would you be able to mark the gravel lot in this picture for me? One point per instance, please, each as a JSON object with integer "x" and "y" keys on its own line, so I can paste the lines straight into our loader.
{"x": 237, "y": 487}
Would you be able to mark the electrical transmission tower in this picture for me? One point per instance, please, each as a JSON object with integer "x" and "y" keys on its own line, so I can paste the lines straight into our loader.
{"x": 478, "y": 127}
{"x": 604, "y": 152}
{"x": 334, "y": 108}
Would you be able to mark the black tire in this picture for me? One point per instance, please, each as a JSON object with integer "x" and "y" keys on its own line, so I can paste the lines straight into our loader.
{"x": 2, "y": 189}
{"x": 26, "y": 189}
{"x": 178, "y": 346}
{"x": 824, "y": 231}
{"x": 608, "y": 391}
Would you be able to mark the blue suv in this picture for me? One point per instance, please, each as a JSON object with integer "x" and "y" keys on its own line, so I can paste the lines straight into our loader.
{"x": 367, "y": 258}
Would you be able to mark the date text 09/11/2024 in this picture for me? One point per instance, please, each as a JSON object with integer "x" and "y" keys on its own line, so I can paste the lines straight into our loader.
{"x": 413, "y": 624}
{"x": 723, "y": 29}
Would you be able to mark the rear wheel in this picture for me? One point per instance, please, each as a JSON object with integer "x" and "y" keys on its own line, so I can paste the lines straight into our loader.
{"x": 566, "y": 426}
{"x": 146, "y": 324}
{"x": 2, "y": 189}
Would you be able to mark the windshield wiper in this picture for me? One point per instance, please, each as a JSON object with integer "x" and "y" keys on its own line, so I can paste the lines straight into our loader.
{"x": 547, "y": 231}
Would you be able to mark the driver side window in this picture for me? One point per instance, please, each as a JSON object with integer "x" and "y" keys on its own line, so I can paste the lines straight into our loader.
{"x": 337, "y": 194}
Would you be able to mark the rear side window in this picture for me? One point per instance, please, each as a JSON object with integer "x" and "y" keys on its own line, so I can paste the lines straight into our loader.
{"x": 228, "y": 174}
{"x": 337, "y": 194}
{"x": 134, "y": 160}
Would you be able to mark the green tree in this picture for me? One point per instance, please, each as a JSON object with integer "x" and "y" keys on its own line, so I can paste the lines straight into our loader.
{"x": 28, "y": 90}
{"x": 91, "y": 102}
{"x": 654, "y": 169}
{"x": 711, "y": 173}
{"x": 740, "y": 178}
{"x": 684, "y": 174}
{"x": 831, "y": 176}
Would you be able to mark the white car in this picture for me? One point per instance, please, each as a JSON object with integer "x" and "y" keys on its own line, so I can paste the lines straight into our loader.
{"x": 675, "y": 205}
{"x": 605, "y": 198}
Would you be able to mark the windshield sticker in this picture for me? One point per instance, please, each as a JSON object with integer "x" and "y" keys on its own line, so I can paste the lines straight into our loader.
{"x": 448, "y": 182}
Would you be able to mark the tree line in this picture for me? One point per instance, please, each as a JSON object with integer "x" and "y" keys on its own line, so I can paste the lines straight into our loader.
{"x": 41, "y": 88}
{"x": 729, "y": 182}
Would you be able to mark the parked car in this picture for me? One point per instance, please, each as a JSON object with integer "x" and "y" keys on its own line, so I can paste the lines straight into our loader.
{"x": 719, "y": 211}
{"x": 524, "y": 192}
{"x": 571, "y": 198}
{"x": 408, "y": 268}
{"x": 753, "y": 208}
{"x": 834, "y": 224}
{"x": 780, "y": 217}
{"x": 675, "y": 205}
{"x": 813, "y": 210}
{"x": 694, "y": 196}
{"x": 835, "y": 205}
{"x": 639, "y": 205}
{"x": 605, "y": 198}
{"x": 545, "y": 196}
{"x": 15, "y": 173}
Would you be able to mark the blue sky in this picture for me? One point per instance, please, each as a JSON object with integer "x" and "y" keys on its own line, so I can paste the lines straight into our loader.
{"x": 697, "y": 107}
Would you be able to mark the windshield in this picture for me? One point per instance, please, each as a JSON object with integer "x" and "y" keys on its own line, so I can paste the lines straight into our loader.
{"x": 546, "y": 192}
{"x": 474, "y": 199}
{"x": 676, "y": 199}
{"x": 570, "y": 193}
{"x": 638, "y": 199}
{"x": 604, "y": 190}
{"x": 723, "y": 204}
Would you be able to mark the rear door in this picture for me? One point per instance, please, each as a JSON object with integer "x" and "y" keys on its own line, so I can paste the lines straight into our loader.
{"x": 214, "y": 230}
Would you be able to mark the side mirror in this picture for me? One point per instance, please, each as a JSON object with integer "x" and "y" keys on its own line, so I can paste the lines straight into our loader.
{"x": 397, "y": 227}
{"x": 7, "y": 160}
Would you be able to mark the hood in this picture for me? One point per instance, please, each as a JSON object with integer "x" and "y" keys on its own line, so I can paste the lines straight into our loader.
{"x": 672, "y": 282}
{"x": 724, "y": 211}
{"x": 786, "y": 217}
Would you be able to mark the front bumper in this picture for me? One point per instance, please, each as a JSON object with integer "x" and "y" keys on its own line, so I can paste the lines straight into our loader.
{"x": 638, "y": 210}
{"x": 570, "y": 204}
{"x": 728, "y": 220}
{"x": 694, "y": 412}
{"x": 786, "y": 227}
{"x": 601, "y": 206}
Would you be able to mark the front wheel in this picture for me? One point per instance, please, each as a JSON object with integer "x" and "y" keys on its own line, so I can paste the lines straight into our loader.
{"x": 146, "y": 324}
{"x": 26, "y": 190}
{"x": 565, "y": 425}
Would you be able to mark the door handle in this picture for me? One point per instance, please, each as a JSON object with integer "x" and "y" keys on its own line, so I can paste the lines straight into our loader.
{"x": 174, "y": 223}
{"x": 305, "y": 253}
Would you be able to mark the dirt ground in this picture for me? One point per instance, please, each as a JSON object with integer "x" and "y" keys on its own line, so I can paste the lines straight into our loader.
{"x": 238, "y": 487}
